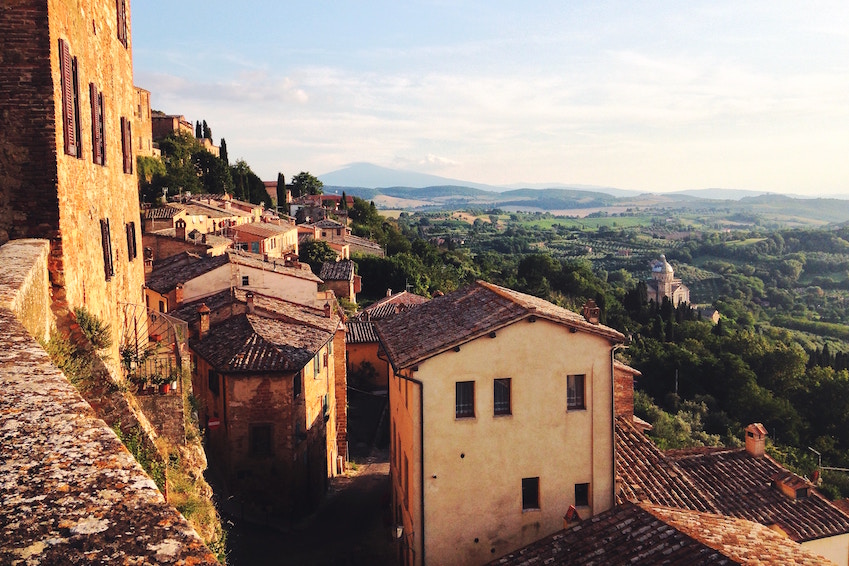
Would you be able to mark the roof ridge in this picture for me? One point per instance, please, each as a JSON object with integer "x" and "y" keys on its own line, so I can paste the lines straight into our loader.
{"x": 503, "y": 292}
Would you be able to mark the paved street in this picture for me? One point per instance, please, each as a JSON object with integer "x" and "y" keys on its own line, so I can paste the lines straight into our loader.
{"x": 352, "y": 525}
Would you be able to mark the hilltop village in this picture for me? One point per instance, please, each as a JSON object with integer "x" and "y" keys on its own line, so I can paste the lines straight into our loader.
{"x": 165, "y": 362}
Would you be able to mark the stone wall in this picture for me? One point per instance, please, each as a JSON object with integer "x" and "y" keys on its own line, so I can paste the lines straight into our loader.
{"x": 25, "y": 286}
{"x": 69, "y": 490}
{"x": 165, "y": 413}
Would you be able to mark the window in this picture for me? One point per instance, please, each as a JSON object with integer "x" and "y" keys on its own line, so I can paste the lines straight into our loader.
{"x": 575, "y": 392}
{"x": 127, "y": 145}
{"x": 465, "y": 399}
{"x": 316, "y": 365}
{"x": 161, "y": 306}
{"x": 501, "y": 396}
{"x": 296, "y": 386}
{"x": 106, "y": 242}
{"x": 123, "y": 36}
{"x": 260, "y": 440}
{"x": 98, "y": 141}
{"x": 530, "y": 493}
{"x": 255, "y": 247}
{"x": 213, "y": 382}
{"x": 246, "y": 280}
{"x": 582, "y": 494}
{"x": 70, "y": 100}
{"x": 132, "y": 251}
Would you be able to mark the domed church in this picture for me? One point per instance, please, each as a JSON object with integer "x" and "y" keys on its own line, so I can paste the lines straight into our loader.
{"x": 663, "y": 283}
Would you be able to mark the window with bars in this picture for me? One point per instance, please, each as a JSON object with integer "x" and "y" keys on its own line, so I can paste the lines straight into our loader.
{"x": 132, "y": 250}
{"x": 106, "y": 242}
{"x": 98, "y": 140}
{"x": 501, "y": 396}
{"x": 464, "y": 406}
{"x": 70, "y": 100}
{"x": 127, "y": 144}
{"x": 575, "y": 392}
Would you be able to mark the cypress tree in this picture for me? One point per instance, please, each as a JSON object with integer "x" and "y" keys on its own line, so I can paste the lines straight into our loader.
{"x": 223, "y": 151}
{"x": 197, "y": 130}
{"x": 207, "y": 131}
{"x": 281, "y": 190}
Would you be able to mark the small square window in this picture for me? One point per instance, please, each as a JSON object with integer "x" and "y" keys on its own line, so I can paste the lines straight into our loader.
{"x": 501, "y": 396}
{"x": 464, "y": 405}
{"x": 582, "y": 494}
{"x": 246, "y": 280}
{"x": 575, "y": 392}
{"x": 530, "y": 493}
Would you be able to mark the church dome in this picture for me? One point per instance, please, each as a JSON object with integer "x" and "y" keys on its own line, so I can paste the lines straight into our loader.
{"x": 661, "y": 266}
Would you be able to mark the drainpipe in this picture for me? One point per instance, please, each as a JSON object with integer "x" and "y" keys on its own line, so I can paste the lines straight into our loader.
{"x": 613, "y": 417}
{"x": 421, "y": 467}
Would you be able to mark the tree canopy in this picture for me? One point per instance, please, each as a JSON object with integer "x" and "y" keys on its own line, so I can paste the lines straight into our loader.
{"x": 305, "y": 184}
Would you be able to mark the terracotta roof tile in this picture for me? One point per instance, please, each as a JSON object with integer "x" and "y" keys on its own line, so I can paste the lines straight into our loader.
{"x": 632, "y": 534}
{"x": 742, "y": 485}
{"x": 337, "y": 270}
{"x": 165, "y": 279}
{"x": 262, "y": 229}
{"x": 646, "y": 474}
{"x": 361, "y": 332}
{"x": 417, "y": 334}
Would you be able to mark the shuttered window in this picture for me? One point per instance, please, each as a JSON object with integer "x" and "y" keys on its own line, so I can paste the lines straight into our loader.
{"x": 123, "y": 36}
{"x": 127, "y": 145}
{"x": 132, "y": 251}
{"x": 98, "y": 141}
{"x": 70, "y": 100}
{"x": 106, "y": 241}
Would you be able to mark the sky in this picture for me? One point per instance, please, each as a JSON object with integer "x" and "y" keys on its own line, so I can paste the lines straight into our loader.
{"x": 649, "y": 95}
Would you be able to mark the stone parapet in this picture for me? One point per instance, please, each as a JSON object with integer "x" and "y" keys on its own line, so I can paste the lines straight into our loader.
{"x": 69, "y": 490}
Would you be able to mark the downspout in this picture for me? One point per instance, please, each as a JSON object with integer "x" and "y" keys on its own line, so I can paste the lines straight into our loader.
{"x": 613, "y": 418}
{"x": 421, "y": 467}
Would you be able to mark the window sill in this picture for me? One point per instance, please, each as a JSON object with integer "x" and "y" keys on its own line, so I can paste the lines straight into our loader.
{"x": 575, "y": 409}
{"x": 502, "y": 415}
{"x": 465, "y": 418}
{"x": 531, "y": 510}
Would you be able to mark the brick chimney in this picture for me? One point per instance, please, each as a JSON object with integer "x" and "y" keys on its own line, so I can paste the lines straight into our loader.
{"x": 249, "y": 300}
{"x": 178, "y": 294}
{"x": 203, "y": 313}
{"x": 755, "y": 439}
{"x": 591, "y": 312}
{"x": 180, "y": 229}
{"x": 327, "y": 310}
{"x": 389, "y": 292}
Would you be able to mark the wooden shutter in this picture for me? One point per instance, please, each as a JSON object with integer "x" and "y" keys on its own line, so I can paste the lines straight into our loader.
{"x": 121, "y": 6}
{"x": 131, "y": 240}
{"x": 69, "y": 126}
{"x": 101, "y": 124}
{"x": 96, "y": 125}
{"x": 106, "y": 241}
{"x": 75, "y": 74}
{"x": 127, "y": 144}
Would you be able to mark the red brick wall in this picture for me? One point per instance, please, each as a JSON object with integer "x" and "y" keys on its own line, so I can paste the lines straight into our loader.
{"x": 623, "y": 392}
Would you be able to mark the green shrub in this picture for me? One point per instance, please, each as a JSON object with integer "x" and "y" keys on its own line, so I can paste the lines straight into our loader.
{"x": 97, "y": 332}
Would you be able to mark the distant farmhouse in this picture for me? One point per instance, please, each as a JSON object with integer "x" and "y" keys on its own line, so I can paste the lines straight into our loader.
{"x": 664, "y": 284}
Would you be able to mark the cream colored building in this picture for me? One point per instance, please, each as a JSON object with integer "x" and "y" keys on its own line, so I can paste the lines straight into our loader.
{"x": 501, "y": 416}
{"x": 663, "y": 283}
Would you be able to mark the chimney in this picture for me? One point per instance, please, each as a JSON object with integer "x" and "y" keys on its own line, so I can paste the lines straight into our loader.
{"x": 755, "y": 439}
{"x": 389, "y": 292}
{"x": 203, "y": 313}
{"x": 180, "y": 229}
{"x": 591, "y": 312}
{"x": 327, "y": 309}
{"x": 178, "y": 294}
{"x": 249, "y": 299}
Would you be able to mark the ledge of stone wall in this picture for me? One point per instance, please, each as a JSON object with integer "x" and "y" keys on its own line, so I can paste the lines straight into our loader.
{"x": 25, "y": 286}
{"x": 70, "y": 493}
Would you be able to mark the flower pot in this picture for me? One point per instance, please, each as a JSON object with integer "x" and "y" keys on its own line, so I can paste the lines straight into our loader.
{"x": 165, "y": 388}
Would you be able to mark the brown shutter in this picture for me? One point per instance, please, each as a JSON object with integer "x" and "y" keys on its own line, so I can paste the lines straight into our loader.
{"x": 127, "y": 144}
{"x": 69, "y": 127}
{"x": 96, "y": 148}
{"x": 75, "y": 72}
{"x": 106, "y": 241}
{"x": 131, "y": 240}
{"x": 121, "y": 6}
{"x": 101, "y": 125}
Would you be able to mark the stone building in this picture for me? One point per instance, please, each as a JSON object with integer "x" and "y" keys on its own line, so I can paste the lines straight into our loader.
{"x": 270, "y": 378}
{"x": 501, "y": 419}
{"x": 67, "y": 171}
{"x": 339, "y": 277}
{"x": 663, "y": 283}
{"x": 143, "y": 131}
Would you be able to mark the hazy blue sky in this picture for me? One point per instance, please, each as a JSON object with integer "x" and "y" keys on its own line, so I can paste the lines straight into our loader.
{"x": 646, "y": 95}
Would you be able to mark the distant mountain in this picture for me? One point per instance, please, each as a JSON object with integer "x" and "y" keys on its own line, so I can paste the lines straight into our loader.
{"x": 721, "y": 194}
{"x": 369, "y": 176}
{"x": 577, "y": 187}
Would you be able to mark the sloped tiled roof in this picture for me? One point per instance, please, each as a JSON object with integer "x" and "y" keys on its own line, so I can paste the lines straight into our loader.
{"x": 328, "y": 224}
{"x": 250, "y": 343}
{"x": 646, "y": 474}
{"x": 392, "y": 304}
{"x": 263, "y": 229}
{"x": 361, "y": 332}
{"x": 166, "y": 212}
{"x": 274, "y": 265}
{"x": 741, "y": 485}
{"x": 165, "y": 279}
{"x": 362, "y": 242}
{"x": 337, "y": 270}
{"x": 441, "y": 323}
{"x": 193, "y": 237}
{"x": 643, "y": 533}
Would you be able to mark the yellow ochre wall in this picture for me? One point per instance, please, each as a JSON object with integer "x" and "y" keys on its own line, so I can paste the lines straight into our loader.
{"x": 473, "y": 468}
